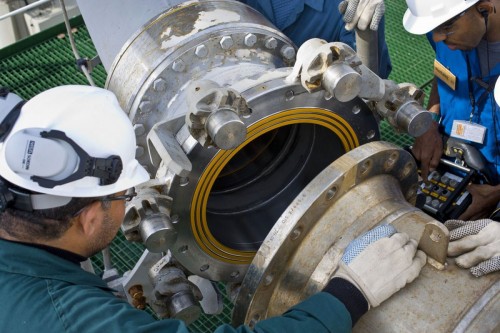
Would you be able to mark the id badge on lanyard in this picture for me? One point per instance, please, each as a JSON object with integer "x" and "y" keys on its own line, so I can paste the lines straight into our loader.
{"x": 469, "y": 131}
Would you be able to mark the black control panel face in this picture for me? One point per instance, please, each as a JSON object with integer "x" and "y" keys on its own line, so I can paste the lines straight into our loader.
{"x": 445, "y": 194}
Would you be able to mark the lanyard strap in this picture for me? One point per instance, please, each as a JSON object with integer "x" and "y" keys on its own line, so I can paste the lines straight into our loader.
{"x": 471, "y": 88}
{"x": 487, "y": 86}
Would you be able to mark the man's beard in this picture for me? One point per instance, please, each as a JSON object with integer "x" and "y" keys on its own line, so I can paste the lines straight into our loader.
{"x": 104, "y": 237}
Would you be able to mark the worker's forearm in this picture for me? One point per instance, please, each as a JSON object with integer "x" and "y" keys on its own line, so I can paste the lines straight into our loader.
{"x": 434, "y": 103}
{"x": 322, "y": 311}
{"x": 319, "y": 313}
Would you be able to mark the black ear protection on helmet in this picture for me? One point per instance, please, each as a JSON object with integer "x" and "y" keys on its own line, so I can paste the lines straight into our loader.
{"x": 107, "y": 170}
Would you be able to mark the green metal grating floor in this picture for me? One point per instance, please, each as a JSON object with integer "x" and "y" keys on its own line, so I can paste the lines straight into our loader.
{"x": 45, "y": 60}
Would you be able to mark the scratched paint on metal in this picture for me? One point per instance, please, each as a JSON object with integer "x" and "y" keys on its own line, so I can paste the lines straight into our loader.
{"x": 174, "y": 34}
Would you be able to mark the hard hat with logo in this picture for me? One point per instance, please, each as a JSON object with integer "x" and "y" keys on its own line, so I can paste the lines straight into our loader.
{"x": 423, "y": 16}
{"x": 72, "y": 141}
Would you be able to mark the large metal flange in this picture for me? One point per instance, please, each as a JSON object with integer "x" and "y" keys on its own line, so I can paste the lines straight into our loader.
{"x": 212, "y": 239}
{"x": 221, "y": 40}
{"x": 371, "y": 184}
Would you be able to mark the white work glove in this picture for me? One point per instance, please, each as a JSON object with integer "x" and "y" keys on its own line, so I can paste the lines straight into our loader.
{"x": 362, "y": 13}
{"x": 477, "y": 245}
{"x": 380, "y": 262}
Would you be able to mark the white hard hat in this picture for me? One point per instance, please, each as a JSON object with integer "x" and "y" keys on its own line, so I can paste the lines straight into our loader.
{"x": 72, "y": 141}
{"x": 497, "y": 92}
{"x": 10, "y": 106}
{"x": 423, "y": 16}
{"x": 8, "y": 101}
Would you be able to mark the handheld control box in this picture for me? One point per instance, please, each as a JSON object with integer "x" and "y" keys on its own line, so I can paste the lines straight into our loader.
{"x": 444, "y": 196}
{"x": 445, "y": 192}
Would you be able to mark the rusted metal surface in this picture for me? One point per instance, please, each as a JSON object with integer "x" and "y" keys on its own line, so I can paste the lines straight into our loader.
{"x": 138, "y": 299}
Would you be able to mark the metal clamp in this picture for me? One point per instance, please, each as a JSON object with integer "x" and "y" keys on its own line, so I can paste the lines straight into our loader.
{"x": 214, "y": 115}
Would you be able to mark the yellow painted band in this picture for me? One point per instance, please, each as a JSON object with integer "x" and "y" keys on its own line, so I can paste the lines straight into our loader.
{"x": 199, "y": 225}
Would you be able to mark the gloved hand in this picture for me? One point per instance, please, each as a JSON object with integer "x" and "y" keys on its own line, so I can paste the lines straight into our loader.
{"x": 380, "y": 262}
{"x": 362, "y": 13}
{"x": 476, "y": 243}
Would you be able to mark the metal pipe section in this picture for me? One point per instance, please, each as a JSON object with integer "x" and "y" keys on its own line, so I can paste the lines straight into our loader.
{"x": 371, "y": 185}
{"x": 204, "y": 84}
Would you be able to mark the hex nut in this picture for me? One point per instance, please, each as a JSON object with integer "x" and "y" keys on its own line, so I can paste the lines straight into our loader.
{"x": 271, "y": 43}
{"x": 250, "y": 40}
{"x": 288, "y": 52}
{"x": 226, "y": 42}
{"x": 139, "y": 129}
{"x": 160, "y": 85}
{"x": 201, "y": 51}
{"x": 139, "y": 151}
{"x": 145, "y": 106}
{"x": 178, "y": 65}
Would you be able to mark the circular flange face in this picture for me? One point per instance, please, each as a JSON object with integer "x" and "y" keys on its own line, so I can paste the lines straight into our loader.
{"x": 232, "y": 198}
{"x": 268, "y": 131}
{"x": 321, "y": 221}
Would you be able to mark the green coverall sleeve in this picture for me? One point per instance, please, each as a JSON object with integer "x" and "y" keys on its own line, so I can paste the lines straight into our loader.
{"x": 319, "y": 313}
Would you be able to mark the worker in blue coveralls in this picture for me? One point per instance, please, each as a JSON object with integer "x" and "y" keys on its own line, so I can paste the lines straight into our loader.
{"x": 301, "y": 20}
{"x": 465, "y": 35}
{"x": 55, "y": 212}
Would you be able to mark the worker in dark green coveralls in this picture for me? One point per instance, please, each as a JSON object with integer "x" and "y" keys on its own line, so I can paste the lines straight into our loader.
{"x": 56, "y": 212}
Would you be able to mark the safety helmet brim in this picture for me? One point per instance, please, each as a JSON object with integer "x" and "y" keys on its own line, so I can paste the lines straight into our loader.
{"x": 93, "y": 119}
{"x": 422, "y": 17}
{"x": 497, "y": 92}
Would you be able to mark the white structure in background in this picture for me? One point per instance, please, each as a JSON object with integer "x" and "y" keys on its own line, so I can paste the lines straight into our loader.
{"x": 43, "y": 18}
{"x": 7, "y": 34}
{"x": 19, "y": 19}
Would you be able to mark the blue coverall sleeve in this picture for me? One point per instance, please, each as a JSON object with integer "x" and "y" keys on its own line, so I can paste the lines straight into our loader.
{"x": 282, "y": 13}
{"x": 301, "y": 20}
